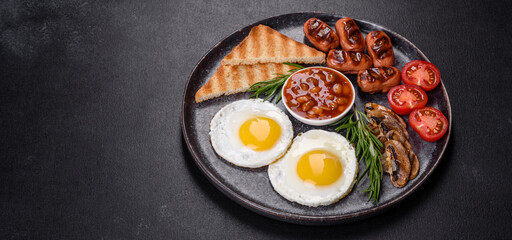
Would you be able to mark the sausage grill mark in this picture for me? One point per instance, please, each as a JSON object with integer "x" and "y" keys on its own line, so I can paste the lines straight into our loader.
{"x": 320, "y": 35}
{"x": 378, "y": 79}
{"x": 320, "y": 32}
{"x": 348, "y": 61}
{"x": 380, "y": 49}
{"x": 352, "y": 32}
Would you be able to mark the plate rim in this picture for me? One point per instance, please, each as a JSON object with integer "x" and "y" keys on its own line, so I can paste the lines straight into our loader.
{"x": 298, "y": 218}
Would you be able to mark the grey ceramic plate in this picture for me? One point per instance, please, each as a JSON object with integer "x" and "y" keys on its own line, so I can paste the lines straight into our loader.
{"x": 251, "y": 188}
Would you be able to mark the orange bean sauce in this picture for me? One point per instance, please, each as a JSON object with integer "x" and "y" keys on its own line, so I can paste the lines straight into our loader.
{"x": 318, "y": 93}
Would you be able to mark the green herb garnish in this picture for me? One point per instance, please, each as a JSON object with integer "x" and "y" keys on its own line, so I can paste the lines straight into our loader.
{"x": 367, "y": 147}
{"x": 273, "y": 86}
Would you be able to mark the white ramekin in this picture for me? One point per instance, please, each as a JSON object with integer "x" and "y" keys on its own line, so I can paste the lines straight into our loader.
{"x": 322, "y": 122}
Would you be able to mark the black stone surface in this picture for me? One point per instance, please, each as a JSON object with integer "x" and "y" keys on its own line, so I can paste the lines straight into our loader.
{"x": 91, "y": 145}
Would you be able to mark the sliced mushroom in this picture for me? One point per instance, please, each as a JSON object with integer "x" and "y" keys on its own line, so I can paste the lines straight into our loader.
{"x": 415, "y": 164}
{"x": 377, "y": 131}
{"x": 389, "y": 124}
{"x": 376, "y": 111}
{"x": 374, "y": 126}
{"x": 383, "y": 139}
{"x": 396, "y": 163}
{"x": 395, "y": 135}
{"x": 399, "y": 160}
{"x": 373, "y": 123}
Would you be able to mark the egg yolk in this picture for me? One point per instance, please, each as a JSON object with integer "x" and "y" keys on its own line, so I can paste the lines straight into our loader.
{"x": 319, "y": 167}
{"x": 259, "y": 133}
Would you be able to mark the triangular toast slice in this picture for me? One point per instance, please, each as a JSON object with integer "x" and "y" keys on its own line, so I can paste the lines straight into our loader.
{"x": 230, "y": 79}
{"x": 264, "y": 45}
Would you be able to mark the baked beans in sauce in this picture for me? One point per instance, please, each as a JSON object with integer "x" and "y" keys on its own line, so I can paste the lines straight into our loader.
{"x": 318, "y": 93}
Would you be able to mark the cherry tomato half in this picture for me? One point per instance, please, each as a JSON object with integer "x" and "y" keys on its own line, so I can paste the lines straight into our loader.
{"x": 429, "y": 123}
{"x": 405, "y": 98}
{"x": 421, "y": 73}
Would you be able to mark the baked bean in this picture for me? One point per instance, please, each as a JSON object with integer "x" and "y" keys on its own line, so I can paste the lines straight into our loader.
{"x": 330, "y": 78}
{"x": 326, "y": 108}
{"x": 304, "y": 86}
{"x": 341, "y": 101}
{"x": 294, "y": 103}
{"x": 315, "y": 90}
{"x": 295, "y": 90}
{"x": 337, "y": 88}
{"x": 317, "y": 110}
{"x": 330, "y": 97}
{"x": 311, "y": 115}
{"x": 303, "y": 99}
{"x": 314, "y": 81}
{"x": 307, "y": 105}
{"x": 319, "y": 76}
{"x": 341, "y": 108}
{"x": 346, "y": 89}
{"x": 332, "y": 105}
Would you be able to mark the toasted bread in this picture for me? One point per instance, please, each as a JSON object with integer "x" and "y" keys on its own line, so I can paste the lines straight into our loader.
{"x": 230, "y": 79}
{"x": 265, "y": 45}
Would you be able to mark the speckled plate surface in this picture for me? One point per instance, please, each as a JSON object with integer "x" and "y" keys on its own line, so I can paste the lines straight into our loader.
{"x": 251, "y": 187}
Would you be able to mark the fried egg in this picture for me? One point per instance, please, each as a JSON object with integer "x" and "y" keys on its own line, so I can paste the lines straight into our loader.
{"x": 251, "y": 133}
{"x": 319, "y": 169}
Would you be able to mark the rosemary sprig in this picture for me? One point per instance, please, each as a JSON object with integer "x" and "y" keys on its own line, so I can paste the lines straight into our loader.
{"x": 273, "y": 86}
{"x": 367, "y": 147}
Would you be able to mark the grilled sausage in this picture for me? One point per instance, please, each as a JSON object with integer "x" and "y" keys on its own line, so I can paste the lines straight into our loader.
{"x": 378, "y": 79}
{"x": 347, "y": 61}
{"x": 380, "y": 49}
{"x": 351, "y": 38}
{"x": 320, "y": 34}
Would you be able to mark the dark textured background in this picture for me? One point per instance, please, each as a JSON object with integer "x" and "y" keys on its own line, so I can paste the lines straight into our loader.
{"x": 90, "y": 138}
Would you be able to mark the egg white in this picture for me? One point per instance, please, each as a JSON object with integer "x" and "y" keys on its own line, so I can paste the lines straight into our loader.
{"x": 225, "y": 138}
{"x": 286, "y": 181}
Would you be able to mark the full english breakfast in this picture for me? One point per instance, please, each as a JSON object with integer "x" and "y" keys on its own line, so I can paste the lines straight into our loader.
{"x": 320, "y": 167}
